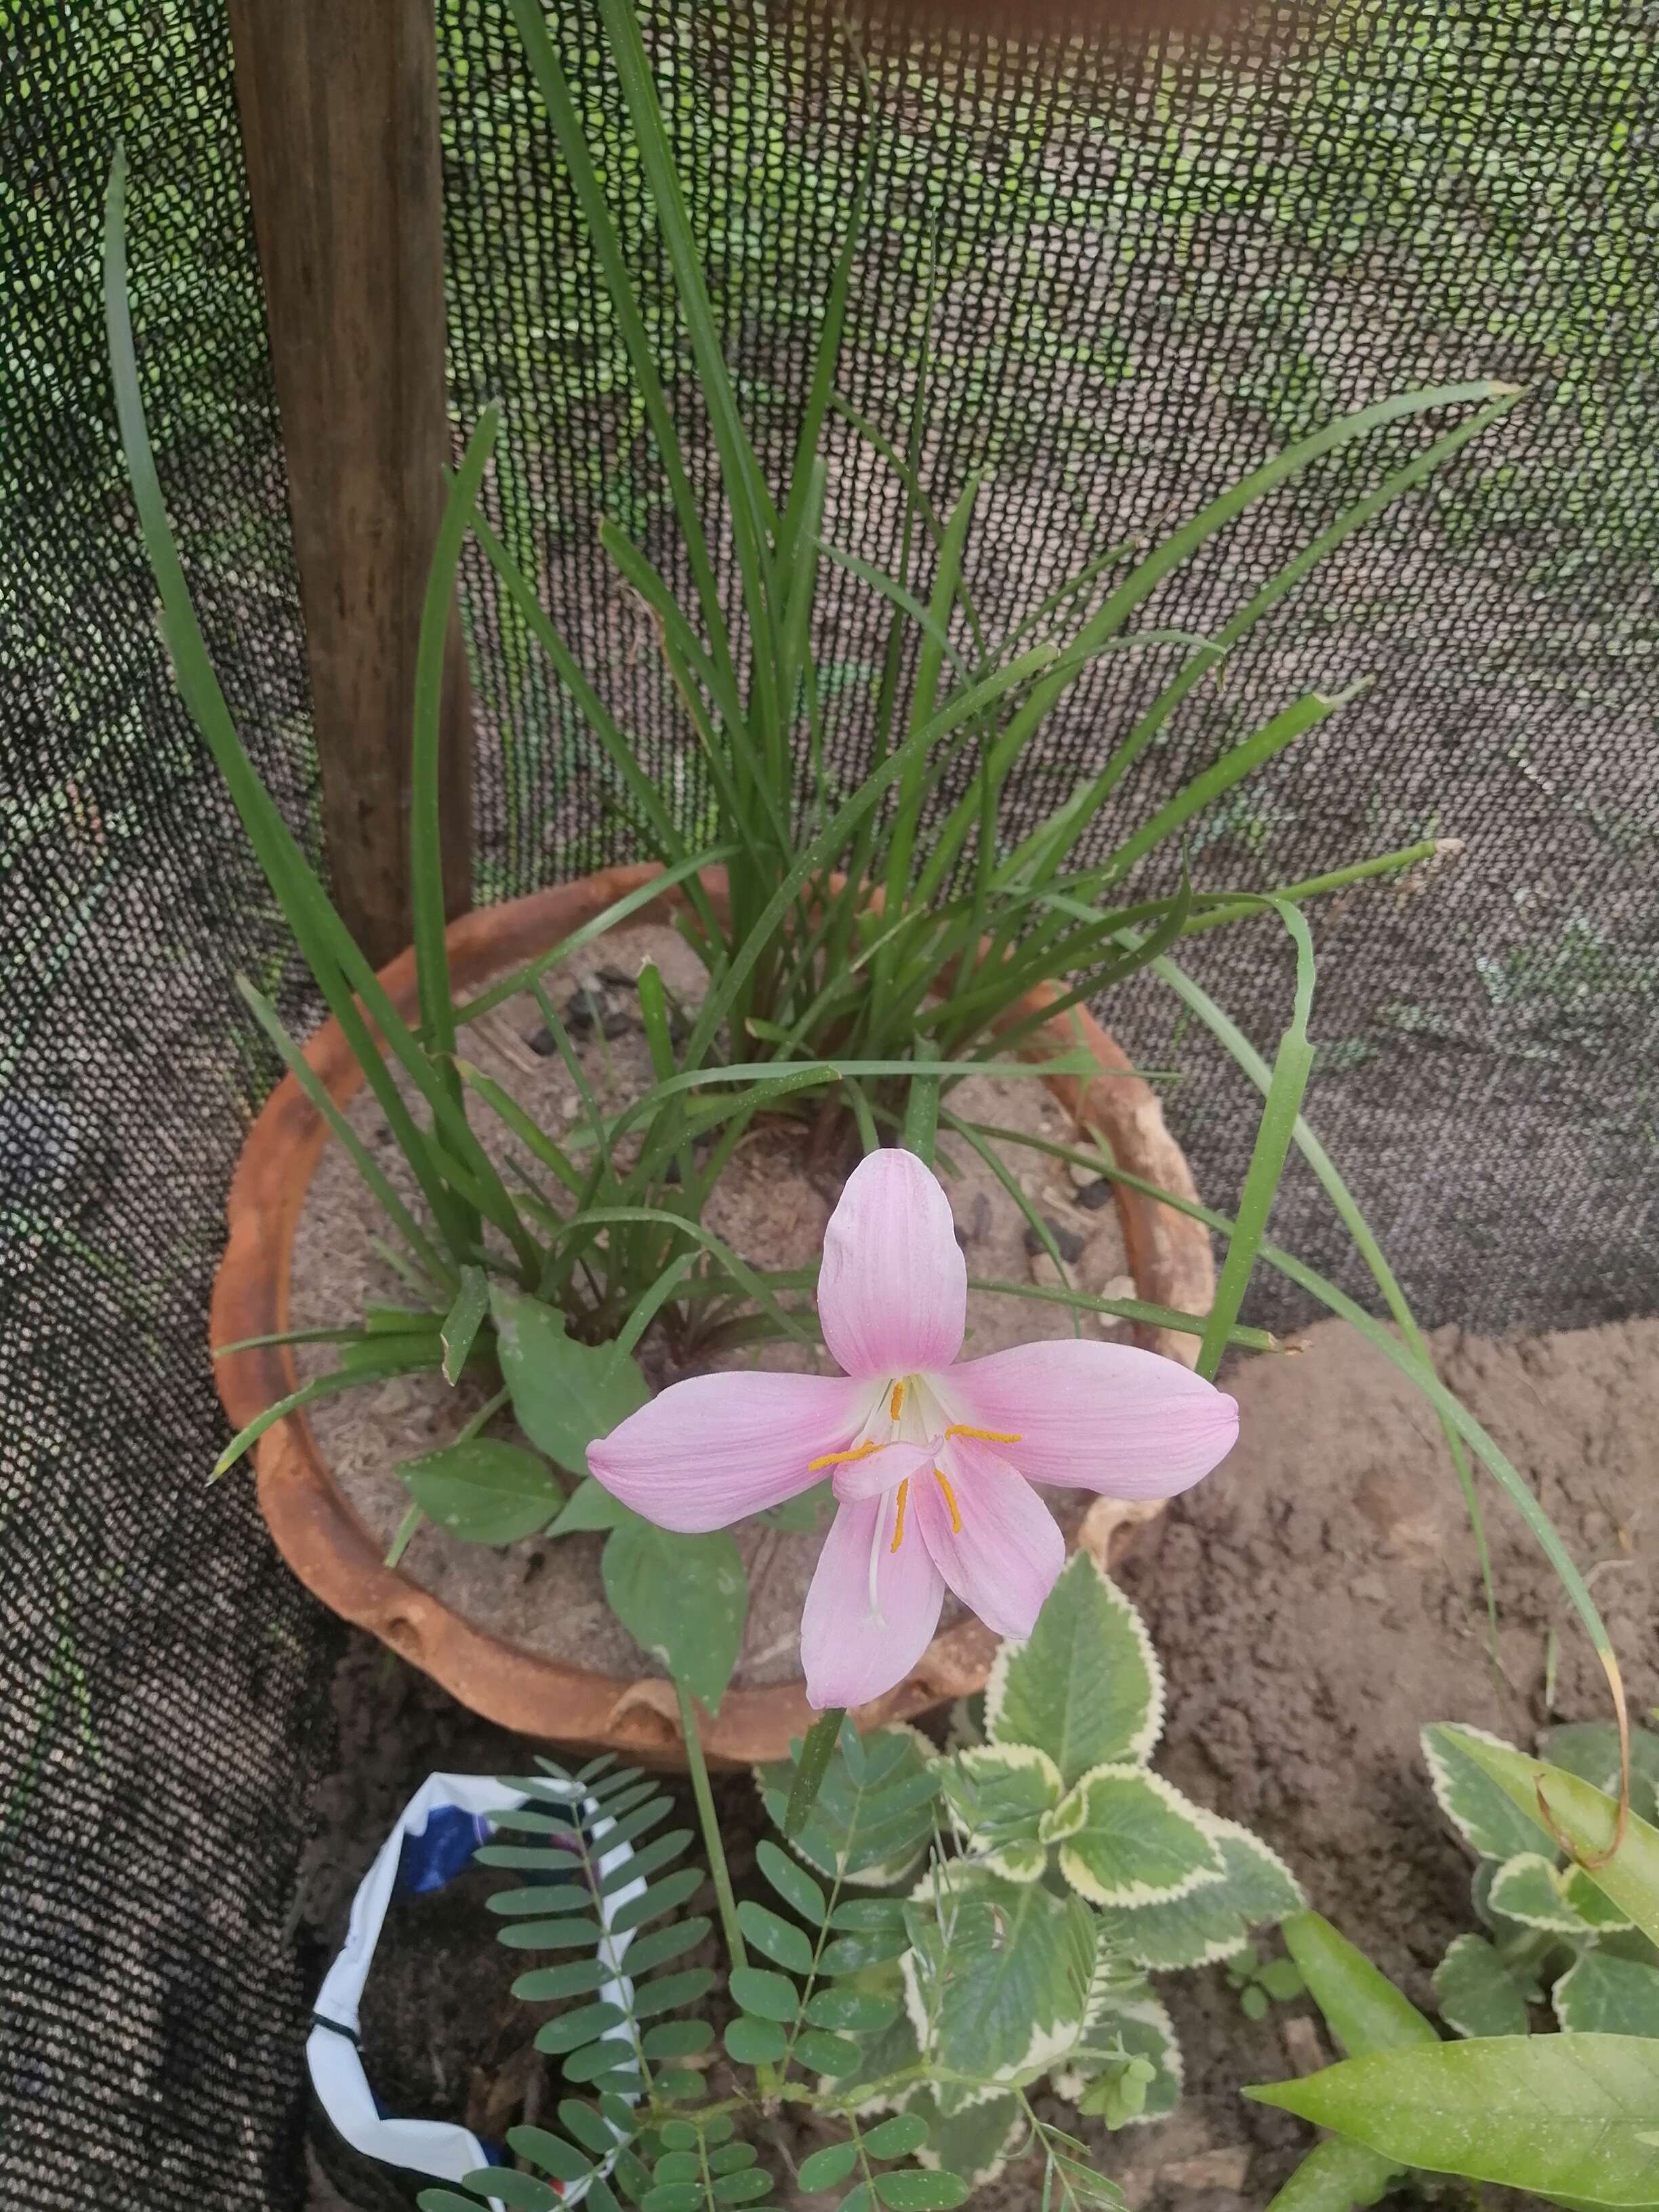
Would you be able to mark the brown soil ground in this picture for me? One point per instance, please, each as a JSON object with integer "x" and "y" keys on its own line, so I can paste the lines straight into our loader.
{"x": 771, "y": 1205}
{"x": 1313, "y": 1604}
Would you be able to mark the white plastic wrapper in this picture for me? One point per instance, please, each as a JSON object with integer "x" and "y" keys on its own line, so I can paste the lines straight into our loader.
{"x": 441, "y": 1826}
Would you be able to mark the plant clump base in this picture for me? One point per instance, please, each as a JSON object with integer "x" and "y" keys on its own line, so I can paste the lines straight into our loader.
{"x": 770, "y": 1205}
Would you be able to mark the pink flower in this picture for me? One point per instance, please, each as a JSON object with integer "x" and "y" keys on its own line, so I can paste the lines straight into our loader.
{"x": 932, "y": 1461}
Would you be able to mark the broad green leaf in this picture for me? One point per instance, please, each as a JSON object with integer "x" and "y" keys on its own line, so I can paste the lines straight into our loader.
{"x": 998, "y": 1797}
{"x": 1589, "y": 1749}
{"x": 463, "y": 1320}
{"x": 681, "y": 1598}
{"x": 1335, "y": 2176}
{"x": 1363, "y": 2009}
{"x": 827, "y": 2168}
{"x": 1212, "y": 1921}
{"x": 998, "y": 1980}
{"x": 565, "y": 1394}
{"x": 483, "y": 1492}
{"x": 972, "y": 2140}
{"x": 590, "y": 1506}
{"x": 1085, "y": 1687}
{"x": 1139, "y": 1841}
{"x": 1124, "y": 2035}
{"x": 741, "y": 2188}
{"x": 1573, "y": 2116}
{"x": 1478, "y": 1808}
{"x": 1587, "y": 1817}
{"x": 1529, "y": 1888}
{"x": 1475, "y": 1992}
{"x": 1608, "y": 1995}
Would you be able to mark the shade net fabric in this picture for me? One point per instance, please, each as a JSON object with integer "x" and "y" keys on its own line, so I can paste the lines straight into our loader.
{"x": 1111, "y": 274}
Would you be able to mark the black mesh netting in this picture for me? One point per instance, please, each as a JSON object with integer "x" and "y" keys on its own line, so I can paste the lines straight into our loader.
{"x": 1131, "y": 273}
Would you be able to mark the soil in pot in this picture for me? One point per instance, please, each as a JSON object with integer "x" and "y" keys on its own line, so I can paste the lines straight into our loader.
{"x": 1313, "y": 1603}
{"x": 771, "y": 1205}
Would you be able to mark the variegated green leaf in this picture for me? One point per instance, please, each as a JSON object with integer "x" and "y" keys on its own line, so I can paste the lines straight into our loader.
{"x": 1096, "y": 2077}
{"x": 1608, "y": 1995}
{"x": 1589, "y": 1749}
{"x": 1138, "y": 1842}
{"x": 1085, "y": 1687}
{"x": 1486, "y": 1818}
{"x": 998, "y": 1797}
{"x": 975, "y": 2139}
{"x": 997, "y": 1981}
{"x": 1213, "y": 1921}
{"x": 1476, "y": 1993}
{"x": 1530, "y": 1889}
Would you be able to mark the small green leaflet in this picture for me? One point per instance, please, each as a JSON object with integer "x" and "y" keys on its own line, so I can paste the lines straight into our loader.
{"x": 1476, "y": 1994}
{"x": 1573, "y": 2116}
{"x": 872, "y": 1825}
{"x": 1476, "y": 1805}
{"x": 1085, "y": 1687}
{"x": 1612, "y": 1995}
{"x": 681, "y": 1598}
{"x": 565, "y": 1394}
{"x": 463, "y": 1320}
{"x": 483, "y": 1492}
{"x": 1139, "y": 1841}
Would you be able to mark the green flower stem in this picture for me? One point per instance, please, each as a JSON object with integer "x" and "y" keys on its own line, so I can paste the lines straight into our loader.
{"x": 765, "y": 2076}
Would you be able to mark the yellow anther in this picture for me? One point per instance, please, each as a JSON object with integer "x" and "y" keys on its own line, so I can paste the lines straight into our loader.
{"x": 840, "y": 1459}
{"x": 950, "y": 1500}
{"x": 986, "y": 1436}
{"x": 898, "y": 1525}
{"x": 895, "y": 1403}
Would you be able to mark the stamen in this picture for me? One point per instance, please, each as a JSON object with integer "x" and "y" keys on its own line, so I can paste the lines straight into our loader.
{"x": 950, "y": 1500}
{"x": 896, "y": 1402}
{"x": 840, "y": 1459}
{"x": 898, "y": 1530}
{"x": 986, "y": 1436}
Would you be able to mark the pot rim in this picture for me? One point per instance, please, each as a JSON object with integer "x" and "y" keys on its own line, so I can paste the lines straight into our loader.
{"x": 334, "y": 1555}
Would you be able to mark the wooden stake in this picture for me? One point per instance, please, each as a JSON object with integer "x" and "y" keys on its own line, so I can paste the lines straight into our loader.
{"x": 338, "y": 101}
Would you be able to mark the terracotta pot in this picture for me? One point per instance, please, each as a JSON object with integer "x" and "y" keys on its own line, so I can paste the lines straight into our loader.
{"x": 336, "y": 1558}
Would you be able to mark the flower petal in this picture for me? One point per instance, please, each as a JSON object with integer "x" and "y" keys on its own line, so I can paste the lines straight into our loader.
{"x": 1096, "y": 1416}
{"x": 881, "y": 1470}
{"x": 1003, "y": 1559}
{"x": 893, "y": 1289}
{"x": 849, "y": 1653}
{"x": 706, "y": 1451}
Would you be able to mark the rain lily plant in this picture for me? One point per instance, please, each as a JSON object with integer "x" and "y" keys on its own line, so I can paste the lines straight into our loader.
{"x": 932, "y": 1458}
{"x": 879, "y": 934}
